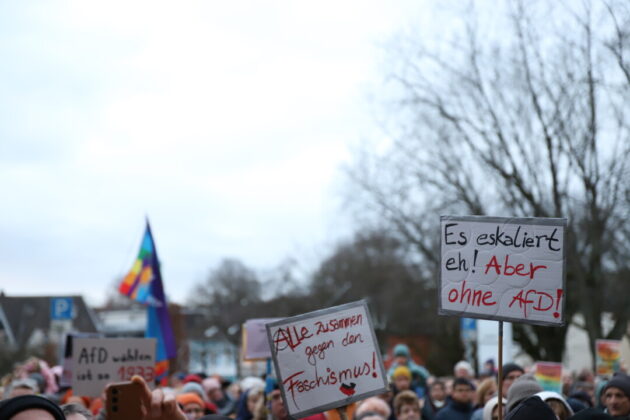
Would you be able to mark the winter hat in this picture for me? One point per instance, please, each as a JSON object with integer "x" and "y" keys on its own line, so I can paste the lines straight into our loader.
{"x": 210, "y": 384}
{"x": 192, "y": 378}
{"x": 581, "y": 396}
{"x": 523, "y": 387}
{"x": 462, "y": 364}
{"x": 621, "y": 381}
{"x": 22, "y": 383}
{"x": 401, "y": 350}
{"x": 489, "y": 407}
{"x": 510, "y": 367}
{"x": 190, "y": 398}
{"x": 13, "y": 406}
{"x": 531, "y": 408}
{"x": 251, "y": 382}
{"x": 576, "y": 404}
{"x": 591, "y": 414}
{"x": 401, "y": 370}
{"x": 195, "y": 388}
{"x": 550, "y": 395}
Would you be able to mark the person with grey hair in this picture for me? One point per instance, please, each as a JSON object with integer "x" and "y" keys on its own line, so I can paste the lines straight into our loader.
{"x": 76, "y": 412}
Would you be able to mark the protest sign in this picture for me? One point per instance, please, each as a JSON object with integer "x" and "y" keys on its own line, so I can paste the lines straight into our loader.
{"x": 99, "y": 361}
{"x": 549, "y": 376}
{"x": 326, "y": 359}
{"x": 608, "y": 357}
{"x": 66, "y": 363}
{"x": 507, "y": 269}
{"x": 255, "y": 341}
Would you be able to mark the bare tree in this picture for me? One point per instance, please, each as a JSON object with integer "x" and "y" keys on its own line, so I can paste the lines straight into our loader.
{"x": 532, "y": 124}
{"x": 228, "y": 298}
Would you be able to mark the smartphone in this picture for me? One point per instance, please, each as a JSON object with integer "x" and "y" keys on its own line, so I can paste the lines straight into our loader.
{"x": 124, "y": 401}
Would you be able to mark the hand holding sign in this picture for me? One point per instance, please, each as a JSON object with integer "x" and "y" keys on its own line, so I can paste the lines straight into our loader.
{"x": 156, "y": 405}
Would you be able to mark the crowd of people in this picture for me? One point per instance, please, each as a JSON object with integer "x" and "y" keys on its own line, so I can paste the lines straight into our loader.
{"x": 33, "y": 392}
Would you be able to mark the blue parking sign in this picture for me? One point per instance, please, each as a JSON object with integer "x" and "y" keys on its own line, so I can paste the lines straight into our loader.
{"x": 61, "y": 308}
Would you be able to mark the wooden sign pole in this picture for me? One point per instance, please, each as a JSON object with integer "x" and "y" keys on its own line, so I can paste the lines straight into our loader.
{"x": 500, "y": 385}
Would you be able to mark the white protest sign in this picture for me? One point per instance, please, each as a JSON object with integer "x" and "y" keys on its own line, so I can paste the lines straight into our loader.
{"x": 509, "y": 269}
{"x": 255, "y": 340}
{"x": 326, "y": 359}
{"x": 97, "y": 362}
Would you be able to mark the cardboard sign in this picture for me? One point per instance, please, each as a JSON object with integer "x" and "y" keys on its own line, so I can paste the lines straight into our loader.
{"x": 503, "y": 269}
{"x": 326, "y": 359}
{"x": 255, "y": 341}
{"x": 549, "y": 376}
{"x": 608, "y": 357}
{"x": 97, "y": 362}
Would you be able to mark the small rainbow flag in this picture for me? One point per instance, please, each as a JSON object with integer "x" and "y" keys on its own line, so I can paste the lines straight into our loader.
{"x": 143, "y": 283}
{"x": 549, "y": 376}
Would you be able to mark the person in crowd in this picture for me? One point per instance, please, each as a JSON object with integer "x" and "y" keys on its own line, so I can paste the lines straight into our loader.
{"x": 30, "y": 407}
{"x": 488, "y": 370}
{"x": 192, "y": 405}
{"x": 407, "y": 406}
{"x": 373, "y": 405}
{"x": 196, "y": 388}
{"x": 246, "y": 406}
{"x": 463, "y": 369}
{"x": 275, "y": 404}
{"x": 583, "y": 391}
{"x": 616, "y": 394}
{"x": 419, "y": 374}
{"x": 434, "y": 400}
{"x": 491, "y": 409}
{"x": 523, "y": 387}
{"x": 509, "y": 373}
{"x": 76, "y": 412}
{"x": 401, "y": 379}
{"x": 531, "y": 408}
{"x": 485, "y": 391}
{"x": 215, "y": 394}
{"x": 591, "y": 414}
{"x": 460, "y": 407}
{"x": 557, "y": 403}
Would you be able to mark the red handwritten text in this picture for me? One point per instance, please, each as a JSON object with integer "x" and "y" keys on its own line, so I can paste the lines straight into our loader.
{"x": 511, "y": 270}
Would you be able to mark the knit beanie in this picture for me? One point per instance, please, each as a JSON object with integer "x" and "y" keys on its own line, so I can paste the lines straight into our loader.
{"x": 402, "y": 370}
{"x": 195, "y": 388}
{"x": 190, "y": 398}
{"x": 591, "y": 414}
{"x": 401, "y": 350}
{"x": 510, "y": 367}
{"x": 210, "y": 384}
{"x": 523, "y": 387}
{"x": 13, "y": 406}
{"x": 621, "y": 381}
{"x": 532, "y": 408}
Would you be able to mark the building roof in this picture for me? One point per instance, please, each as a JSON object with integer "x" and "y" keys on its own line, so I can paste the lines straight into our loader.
{"x": 22, "y": 316}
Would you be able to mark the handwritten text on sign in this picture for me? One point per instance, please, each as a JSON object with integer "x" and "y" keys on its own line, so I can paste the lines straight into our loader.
{"x": 503, "y": 268}
{"x": 97, "y": 362}
{"x": 326, "y": 359}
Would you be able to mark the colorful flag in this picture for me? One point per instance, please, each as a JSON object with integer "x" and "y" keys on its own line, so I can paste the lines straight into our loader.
{"x": 143, "y": 283}
{"x": 549, "y": 376}
{"x": 608, "y": 357}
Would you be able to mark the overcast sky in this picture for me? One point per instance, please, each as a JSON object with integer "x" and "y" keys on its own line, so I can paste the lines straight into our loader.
{"x": 226, "y": 123}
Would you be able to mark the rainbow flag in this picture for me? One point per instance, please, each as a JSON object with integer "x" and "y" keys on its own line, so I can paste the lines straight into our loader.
{"x": 608, "y": 357}
{"x": 549, "y": 376}
{"x": 143, "y": 283}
